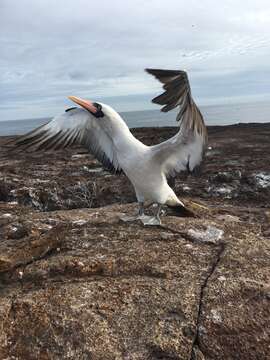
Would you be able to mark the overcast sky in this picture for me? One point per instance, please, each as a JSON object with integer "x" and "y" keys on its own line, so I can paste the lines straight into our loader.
{"x": 98, "y": 50}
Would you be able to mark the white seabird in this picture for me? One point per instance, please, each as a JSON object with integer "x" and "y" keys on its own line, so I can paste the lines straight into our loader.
{"x": 101, "y": 130}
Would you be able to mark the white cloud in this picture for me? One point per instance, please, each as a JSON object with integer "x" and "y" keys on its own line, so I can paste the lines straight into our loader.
{"x": 50, "y": 49}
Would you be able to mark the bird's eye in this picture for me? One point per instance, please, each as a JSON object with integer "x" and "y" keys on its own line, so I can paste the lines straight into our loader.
{"x": 99, "y": 112}
{"x": 97, "y": 106}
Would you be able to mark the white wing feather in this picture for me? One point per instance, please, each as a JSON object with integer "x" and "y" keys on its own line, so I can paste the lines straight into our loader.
{"x": 182, "y": 152}
{"x": 75, "y": 126}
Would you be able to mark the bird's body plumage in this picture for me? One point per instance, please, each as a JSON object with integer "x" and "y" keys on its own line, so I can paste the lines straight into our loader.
{"x": 109, "y": 139}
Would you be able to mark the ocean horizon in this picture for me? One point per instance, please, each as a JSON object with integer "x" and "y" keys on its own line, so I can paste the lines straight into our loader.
{"x": 257, "y": 112}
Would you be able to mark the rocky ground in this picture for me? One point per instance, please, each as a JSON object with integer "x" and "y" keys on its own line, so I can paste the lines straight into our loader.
{"x": 78, "y": 283}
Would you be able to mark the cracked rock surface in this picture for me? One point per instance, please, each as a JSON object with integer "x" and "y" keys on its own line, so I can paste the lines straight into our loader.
{"x": 78, "y": 283}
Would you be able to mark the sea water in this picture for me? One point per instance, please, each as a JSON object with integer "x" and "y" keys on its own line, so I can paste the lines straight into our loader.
{"x": 213, "y": 115}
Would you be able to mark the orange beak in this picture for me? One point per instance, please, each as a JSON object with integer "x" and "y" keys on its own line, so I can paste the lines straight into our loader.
{"x": 88, "y": 105}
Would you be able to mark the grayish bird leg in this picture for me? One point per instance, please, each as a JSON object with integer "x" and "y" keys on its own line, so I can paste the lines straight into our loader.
{"x": 153, "y": 220}
{"x": 139, "y": 216}
{"x": 141, "y": 209}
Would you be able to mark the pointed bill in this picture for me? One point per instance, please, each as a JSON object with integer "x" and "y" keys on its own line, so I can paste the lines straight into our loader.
{"x": 86, "y": 104}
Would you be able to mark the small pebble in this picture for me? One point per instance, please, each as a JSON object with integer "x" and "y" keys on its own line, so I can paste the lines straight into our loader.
{"x": 79, "y": 222}
{"x": 7, "y": 215}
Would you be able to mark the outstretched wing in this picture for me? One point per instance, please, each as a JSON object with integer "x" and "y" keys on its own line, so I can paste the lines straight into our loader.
{"x": 185, "y": 150}
{"x": 75, "y": 126}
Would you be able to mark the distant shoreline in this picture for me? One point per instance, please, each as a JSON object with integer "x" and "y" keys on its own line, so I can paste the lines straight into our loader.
{"x": 230, "y": 114}
{"x": 211, "y": 128}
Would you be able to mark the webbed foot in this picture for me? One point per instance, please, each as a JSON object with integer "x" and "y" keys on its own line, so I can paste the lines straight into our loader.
{"x": 151, "y": 220}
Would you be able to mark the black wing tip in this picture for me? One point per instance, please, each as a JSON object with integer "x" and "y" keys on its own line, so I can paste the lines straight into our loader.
{"x": 152, "y": 71}
{"x": 148, "y": 70}
{"x": 164, "y": 72}
{"x": 158, "y": 100}
{"x": 170, "y": 78}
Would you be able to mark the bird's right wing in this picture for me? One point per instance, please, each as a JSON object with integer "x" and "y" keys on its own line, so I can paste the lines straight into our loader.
{"x": 75, "y": 126}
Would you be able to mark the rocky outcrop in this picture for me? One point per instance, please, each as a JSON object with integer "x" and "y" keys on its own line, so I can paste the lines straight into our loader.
{"x": 236, "y": 171}
{"x": 83, "y": 284}
{"x": 78, "y": 283}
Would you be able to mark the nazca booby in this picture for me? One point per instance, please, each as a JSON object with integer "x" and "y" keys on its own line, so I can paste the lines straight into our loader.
{"x": 101, "y": 130}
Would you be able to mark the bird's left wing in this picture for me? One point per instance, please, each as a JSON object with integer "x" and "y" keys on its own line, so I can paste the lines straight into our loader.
{"x": 185, "y": 150}
{"x": 75, "y": 126}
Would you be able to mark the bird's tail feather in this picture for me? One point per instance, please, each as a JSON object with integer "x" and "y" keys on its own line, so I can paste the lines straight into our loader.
{"x": 181, "y": 211}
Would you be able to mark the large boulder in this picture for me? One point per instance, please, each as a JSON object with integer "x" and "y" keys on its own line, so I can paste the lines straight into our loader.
{"x": 82, "y": 284}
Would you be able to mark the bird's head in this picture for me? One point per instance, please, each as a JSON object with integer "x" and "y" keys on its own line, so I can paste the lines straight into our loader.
{"x": 98, "y": 110}
{"x": 103, "y": 112}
